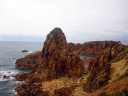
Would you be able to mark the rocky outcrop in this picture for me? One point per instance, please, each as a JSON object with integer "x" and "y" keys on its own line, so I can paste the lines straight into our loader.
{"x": 6, "y": 77}
{"x": 95, "y": 47}
{"x": 24, "y": 51}
{"x": 28, "y": 61}
{"x": 31, "y": 90}
{"x": 55, "y": 61}
{"x": 91, "y": 48}
{"x": 74, "y": 47}
{"x": 21, "y": 77}
{"x": 100, "y": 68}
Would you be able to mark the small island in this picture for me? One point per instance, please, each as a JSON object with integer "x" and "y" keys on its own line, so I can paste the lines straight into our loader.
{"x": 24, "y": 51}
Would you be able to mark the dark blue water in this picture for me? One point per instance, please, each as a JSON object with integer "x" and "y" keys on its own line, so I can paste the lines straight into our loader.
{"x": 9, "y": 53}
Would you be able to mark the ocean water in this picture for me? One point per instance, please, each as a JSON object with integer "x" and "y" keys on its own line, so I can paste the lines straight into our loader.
{"x": 9, "y": 53}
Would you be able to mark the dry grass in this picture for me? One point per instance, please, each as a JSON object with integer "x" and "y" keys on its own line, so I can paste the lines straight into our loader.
{"x": 113, "y": 88}
{"x": 65, "y": 82}
{"x": 79, "y": 92}
{"x": 118, "y": 69}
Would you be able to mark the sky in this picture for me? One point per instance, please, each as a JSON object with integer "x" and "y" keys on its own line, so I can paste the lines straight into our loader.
{"x": 80, "y": 20}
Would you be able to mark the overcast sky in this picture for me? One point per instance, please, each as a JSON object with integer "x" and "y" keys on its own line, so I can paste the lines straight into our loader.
{"x": 80, "y": 20}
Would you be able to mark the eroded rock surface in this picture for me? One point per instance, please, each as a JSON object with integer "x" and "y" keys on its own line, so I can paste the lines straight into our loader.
{"x": 28, "y": 61}
{"x": 100, "y": 68}
{"x": 55, "y": 61}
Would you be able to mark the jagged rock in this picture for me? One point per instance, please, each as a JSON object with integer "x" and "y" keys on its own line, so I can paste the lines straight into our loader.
{"x": 100, "y": 68}
{"x": 6, "y": 77}
{"x": 55, "y": 61}
{"x": 74, "y": 47}
{"x": 28, "y": 61}
{"x": 30, "y": 90}
{"x": 21, "y": 77}
{"x": 91, "y": 48}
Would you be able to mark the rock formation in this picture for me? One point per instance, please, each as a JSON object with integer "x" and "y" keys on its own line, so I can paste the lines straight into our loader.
{"x": 24, "y": 51}
{"x": 100, "y": 67}
{"x": 55, "y": 61}
{"x": 95, "y": 47}
{"x": 28, "y": 61}
{"x": 89, "y": 48}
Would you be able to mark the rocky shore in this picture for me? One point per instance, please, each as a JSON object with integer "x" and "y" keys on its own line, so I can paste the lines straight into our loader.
{"x": 57, "y": 70}
{"x": 55, "y": 61}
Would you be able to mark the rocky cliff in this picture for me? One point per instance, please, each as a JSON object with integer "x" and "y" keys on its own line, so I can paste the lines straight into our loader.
{"x": 91, "y": 48}
{"x": 55, "y": 61}
{"x": 100, "y": 67}
{"x": 95, "y": 47}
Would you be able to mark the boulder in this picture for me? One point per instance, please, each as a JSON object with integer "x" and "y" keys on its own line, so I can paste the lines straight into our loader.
{"x": 6, "y": 77}
{"x": 24, "y": 51}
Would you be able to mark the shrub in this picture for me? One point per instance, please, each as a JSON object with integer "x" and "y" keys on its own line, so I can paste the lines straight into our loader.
{"x": 124, "y": 53}
{"x": 92, "y": 71}
{"x": 124, "y": 75}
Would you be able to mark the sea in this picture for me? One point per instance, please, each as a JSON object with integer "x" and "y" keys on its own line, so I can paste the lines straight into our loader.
{"x": 10, "y": 51}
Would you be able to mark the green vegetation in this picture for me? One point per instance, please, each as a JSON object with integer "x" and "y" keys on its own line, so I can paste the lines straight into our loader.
{"x": 124, "y": 75}
{"x": 124, "y": 53}
{"x": 119, "y": 57}
{"x": 82, "y": 77}
{"x": 92, "y": 71}
{"x": 53, "y": 34}
{"x": 120, "y": 93}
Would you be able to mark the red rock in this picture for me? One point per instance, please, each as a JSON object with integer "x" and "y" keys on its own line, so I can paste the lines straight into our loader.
{"x": 54, "y": 61}
{"x": 28, "y": 61}
{"x": 25, "y": 51}
{"x": 6, "y": 77}
{"x": 30, "y": 90}
{"x": 100, "y": 67}
{"x": 21, "y": 77}
{"x": 91, "y": 48}
{"x": 65, "y": 91}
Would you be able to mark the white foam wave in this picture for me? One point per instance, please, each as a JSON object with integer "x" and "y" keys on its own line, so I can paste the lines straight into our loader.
{"x": 14, "y": 61}
{"x": 3, "y": 79}
{"x": 19, "y": 82}
{"x": 29, "y": 52}
{"x": 14, "y": 91}
{"x": 8, "y": 72}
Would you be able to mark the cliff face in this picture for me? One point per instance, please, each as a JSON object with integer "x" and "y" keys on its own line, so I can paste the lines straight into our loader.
{"x": 91, "y": 48}
{"x": 74, "y": 47}
{"x": 55, "y": 61}
{"x": 100, "y": 67}
{"x": 95, "y": 47}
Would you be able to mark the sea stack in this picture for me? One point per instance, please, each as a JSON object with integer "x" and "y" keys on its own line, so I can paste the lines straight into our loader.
{"x": 55, "y": 61}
